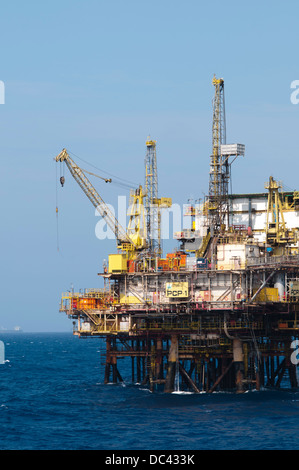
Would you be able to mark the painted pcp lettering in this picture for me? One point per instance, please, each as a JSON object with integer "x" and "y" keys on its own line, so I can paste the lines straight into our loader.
{"x": 175, "y": 293}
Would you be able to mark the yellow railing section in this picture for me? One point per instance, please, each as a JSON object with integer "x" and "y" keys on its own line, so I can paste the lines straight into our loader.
{"x": 102, "y": 323}
{"x": 92, "y": 293}
{"x": 89, "y": 299}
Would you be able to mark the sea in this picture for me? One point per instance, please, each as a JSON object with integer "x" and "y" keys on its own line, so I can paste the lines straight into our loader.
{"x": 53, "y": 397}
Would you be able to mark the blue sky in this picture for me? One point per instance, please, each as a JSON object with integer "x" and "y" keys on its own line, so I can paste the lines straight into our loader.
{"x": 98, "y": 77}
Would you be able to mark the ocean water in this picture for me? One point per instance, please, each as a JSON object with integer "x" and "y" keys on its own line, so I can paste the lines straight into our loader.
{"x": 52, "y": 397}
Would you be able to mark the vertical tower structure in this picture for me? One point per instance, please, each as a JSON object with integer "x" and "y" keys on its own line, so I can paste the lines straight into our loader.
{"x": 218, "y": 184}
{"x": 218, "y": 207}
{"x": 151, "y": 198}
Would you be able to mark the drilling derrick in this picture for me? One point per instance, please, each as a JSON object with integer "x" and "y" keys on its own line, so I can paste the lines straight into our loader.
{"x": 218, "y": 185}
{"x": 220, "y": 164}
{"x": 151, "y": 198}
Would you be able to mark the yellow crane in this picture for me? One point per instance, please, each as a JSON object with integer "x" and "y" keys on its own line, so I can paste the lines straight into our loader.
{"x": 130, "y": 242}
{"x": 277, "y": 233}
{"x": 137, "y": 227}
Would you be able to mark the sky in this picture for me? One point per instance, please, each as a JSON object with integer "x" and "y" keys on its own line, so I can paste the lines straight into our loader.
{"x": 97, "y": 77}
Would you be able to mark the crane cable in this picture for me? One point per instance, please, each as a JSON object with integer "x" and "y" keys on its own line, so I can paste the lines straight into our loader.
{"x": 107, "y": 180}
{"x": 122, "y": 182}
{"x": 57, "y": 225}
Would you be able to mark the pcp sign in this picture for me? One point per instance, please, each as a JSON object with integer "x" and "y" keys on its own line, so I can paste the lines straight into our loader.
{"x": 177, "y": 289}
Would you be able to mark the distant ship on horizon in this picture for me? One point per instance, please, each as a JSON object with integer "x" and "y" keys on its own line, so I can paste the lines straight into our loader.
{"x": 16, "y": 329}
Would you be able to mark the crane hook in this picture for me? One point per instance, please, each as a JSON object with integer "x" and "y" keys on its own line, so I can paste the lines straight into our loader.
{"x": 62, "y": 180}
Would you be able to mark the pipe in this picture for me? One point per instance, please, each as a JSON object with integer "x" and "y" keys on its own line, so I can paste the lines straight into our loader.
{"x": 172, "y": 361}
{"x": 226, "y": 330}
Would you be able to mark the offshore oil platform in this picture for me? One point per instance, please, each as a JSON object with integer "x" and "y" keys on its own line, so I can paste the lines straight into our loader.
{"x": 219, "y": 313}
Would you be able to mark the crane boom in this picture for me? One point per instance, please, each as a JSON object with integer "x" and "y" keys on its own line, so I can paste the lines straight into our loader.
{"x": 95, "y": 198}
